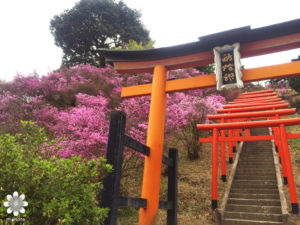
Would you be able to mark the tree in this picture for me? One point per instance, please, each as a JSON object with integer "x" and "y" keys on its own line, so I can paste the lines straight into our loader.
{"x": 207, "y": 69}
{"x": 94, "y": 24}
{"x": 294, "y": 83}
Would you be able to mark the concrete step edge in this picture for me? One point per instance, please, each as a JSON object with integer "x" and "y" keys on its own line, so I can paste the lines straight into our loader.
{"x": 245, "y": 199}
{"x": 254, "y": 202}
{"x": 253, "y": 196}
{"x": 250, "y": 173}
{"x": 252, "y": 190}
{"x": 253, "y": 181}
{"x": 255, "y": 186}
{"x": 253, "y": 208}
{"x": 250, "y": 179}
{"x": 250, "y": 215}
{"x": 254, "y": 222}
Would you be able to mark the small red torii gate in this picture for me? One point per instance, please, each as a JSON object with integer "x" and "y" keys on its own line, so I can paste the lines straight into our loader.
{"x": 241, "y": 116}
{"x": 279, "y": 135}
{"x": 258, "y": 100}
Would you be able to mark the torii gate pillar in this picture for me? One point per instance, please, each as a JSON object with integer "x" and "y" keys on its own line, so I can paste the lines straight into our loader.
{"x": 155, "y": 140}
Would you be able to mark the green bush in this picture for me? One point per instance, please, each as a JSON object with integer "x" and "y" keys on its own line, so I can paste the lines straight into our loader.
{"x": 58, "y": 191}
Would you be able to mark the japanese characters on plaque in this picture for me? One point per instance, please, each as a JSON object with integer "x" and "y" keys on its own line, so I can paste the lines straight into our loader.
{"x": 228, "y": 70}
{"x": 228, "y": 67}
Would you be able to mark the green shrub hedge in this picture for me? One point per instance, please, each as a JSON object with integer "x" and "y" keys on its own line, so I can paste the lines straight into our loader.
{"x": 58, "y": 191}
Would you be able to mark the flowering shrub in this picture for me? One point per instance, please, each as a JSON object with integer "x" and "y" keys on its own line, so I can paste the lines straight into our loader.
{"x": 231, "y": 94}
{"x": 282, "y": 88}
{"x": 14, "y": 108}
{"x": 74, "y": 105}
{"x": 85, "y": 127}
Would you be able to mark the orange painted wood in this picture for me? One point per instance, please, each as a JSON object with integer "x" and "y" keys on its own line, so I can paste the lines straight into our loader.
{"x": 230, "y": 145}
{"x": 272, "y": 72}
{"x": 255, "y": 108}
{"x": 256, "y": 92}
{"x": 265, "y": 114}
{"x": 292, "y": 136}
{"x": 280, "y": 149}
{"x": 261, "y": 99}
{"x": 242, "y": 138}
{"x": 155, "y": 140}
{"x": 252, "y": 124}
{"x": 288, "y": 164}
{"x": 214, "y": 192}
{"x": 257, "y": 95}
{"x": 251, "y": 104}
{"x": 205, "y": 81}
{"x": 257, "y": 101}
{"x": 203, "y": 58}
{"x": 223, "y": 152}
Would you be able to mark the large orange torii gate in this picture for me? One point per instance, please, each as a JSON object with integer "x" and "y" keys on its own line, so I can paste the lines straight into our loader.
{"x": 253, "y": 42}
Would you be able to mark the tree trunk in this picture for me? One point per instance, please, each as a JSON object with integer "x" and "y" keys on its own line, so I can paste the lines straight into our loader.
{"x": 102, "y": 61}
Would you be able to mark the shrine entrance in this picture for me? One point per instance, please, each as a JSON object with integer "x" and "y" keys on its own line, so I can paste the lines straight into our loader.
{"x": 226, "y": 48}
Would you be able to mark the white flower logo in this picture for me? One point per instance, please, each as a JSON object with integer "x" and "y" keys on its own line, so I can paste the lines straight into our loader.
{"x": 15, "y": 203}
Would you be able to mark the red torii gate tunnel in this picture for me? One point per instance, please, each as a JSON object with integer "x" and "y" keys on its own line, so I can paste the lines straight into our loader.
{"x": 248, "y": 113}
{"x": 253, "y": 42}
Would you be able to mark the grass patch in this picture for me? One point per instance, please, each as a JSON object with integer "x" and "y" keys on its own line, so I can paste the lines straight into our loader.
{"x": 294, "y": 143}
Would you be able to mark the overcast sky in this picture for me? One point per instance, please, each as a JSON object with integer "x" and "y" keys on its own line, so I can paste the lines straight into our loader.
{"x": 27, "y": 45}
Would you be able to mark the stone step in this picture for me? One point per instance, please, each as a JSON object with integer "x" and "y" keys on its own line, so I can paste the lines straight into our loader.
{"x": 257, "y": 202}
{"x": 252, "y": 162}
{"x": 255, "y": 173}
{"x": 256, "y": 165}
{"x": 256, "y": 155}
{"x": 269, "y": 168}
{"x": 253, "y": 209}
{"x": 255, "y": 182}
{"x": 257, "y": 161}
{"x": 258, "y": 150}
{"x": 254, "y": 186}
{"x": 253, "y": 191}
{"x": 248, "y": 222}
{"x": 259, "y": 145}
{"x": 260, "y": 168}
{"x": 253, "y": 196}
{"x": 255, "y": 170}
{"x": 254, "y": 177}
{"x": 253, "y": 216}
{"x": 246, "y": 163}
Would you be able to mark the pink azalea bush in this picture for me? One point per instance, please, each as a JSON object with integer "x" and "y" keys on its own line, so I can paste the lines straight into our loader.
{"x": 74, "y": 106}
{"x": 282, "y": 87}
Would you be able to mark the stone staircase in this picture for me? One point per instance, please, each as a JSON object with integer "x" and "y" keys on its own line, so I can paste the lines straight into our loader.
{"x": 254, "y": 197}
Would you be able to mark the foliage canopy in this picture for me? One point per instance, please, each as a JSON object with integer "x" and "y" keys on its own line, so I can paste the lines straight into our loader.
{"x": 94, "y": 24}
{"x": 294, "y": 83}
